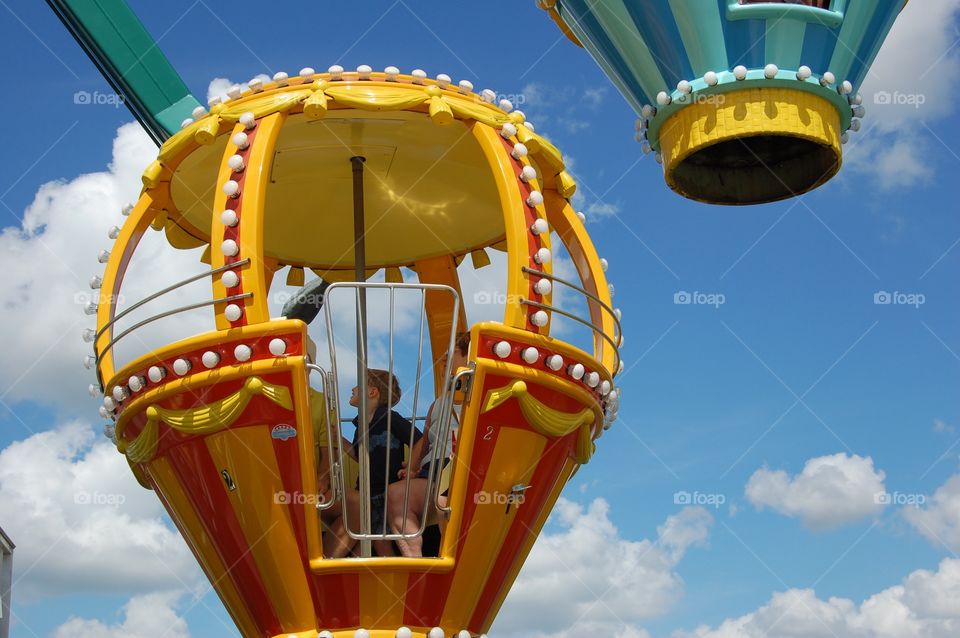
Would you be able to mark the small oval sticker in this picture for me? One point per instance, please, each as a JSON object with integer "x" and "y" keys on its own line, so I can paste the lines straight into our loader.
{"x": 283, "y": 432}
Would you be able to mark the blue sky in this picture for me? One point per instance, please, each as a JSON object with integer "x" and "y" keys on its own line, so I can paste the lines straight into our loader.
{"x": 797, "y": 365}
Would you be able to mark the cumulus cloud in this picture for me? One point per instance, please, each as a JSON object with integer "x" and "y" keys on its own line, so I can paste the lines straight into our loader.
{"x": 609, "y": 583}
{"x": 218, "y": 87}
{"x": 75, "y": 510}
{"x": 939, "y": 519}
{"x": 149, "y": 616}
{"x": 925, "y": 605}
{"x": 911, "y": 85}
{"x": 830, "y": 491}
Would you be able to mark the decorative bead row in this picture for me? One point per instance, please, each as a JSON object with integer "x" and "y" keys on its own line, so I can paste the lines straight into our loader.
{"x": 532, "y": 356}
{"x": 770, "y": 71}
{"x": 181, "y": 366}
{"x": 403, "y": 632}
{"x": 230, "y": 217}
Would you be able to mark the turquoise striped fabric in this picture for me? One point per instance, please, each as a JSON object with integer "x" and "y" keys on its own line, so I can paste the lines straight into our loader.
{"x": 647, "y": 46}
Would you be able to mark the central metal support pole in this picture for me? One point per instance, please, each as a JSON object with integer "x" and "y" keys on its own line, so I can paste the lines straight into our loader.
{"x": 359, "y": 271}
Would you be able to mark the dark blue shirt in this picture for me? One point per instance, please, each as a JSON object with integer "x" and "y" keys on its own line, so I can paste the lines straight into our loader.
{"x": 399, "y": 435}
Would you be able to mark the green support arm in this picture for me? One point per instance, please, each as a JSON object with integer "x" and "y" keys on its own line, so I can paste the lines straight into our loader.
{"x": 128, "y": 57}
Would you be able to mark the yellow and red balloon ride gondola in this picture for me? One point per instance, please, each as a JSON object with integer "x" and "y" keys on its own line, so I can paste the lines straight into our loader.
{"x": 219, "y": 424}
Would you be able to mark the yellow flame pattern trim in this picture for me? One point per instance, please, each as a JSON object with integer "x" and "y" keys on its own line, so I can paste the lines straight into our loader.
{"x": 205, "y": 419}
{"x": 544, "y": 419}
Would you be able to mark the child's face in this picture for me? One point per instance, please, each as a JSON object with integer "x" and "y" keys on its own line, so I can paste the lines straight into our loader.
{"x": 372, "y": 393}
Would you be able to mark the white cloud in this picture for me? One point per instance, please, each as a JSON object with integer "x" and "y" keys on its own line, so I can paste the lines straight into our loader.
{"x": 149, "y": 616}
{"x": 925, "y": 605}
{"x": 939, "y": 519}
{"x": 911, "y": 84}
{"x": 609, "y": 583}
{"x": 830, "y": 491}
{"x": 74, "y": 510}
{"x": 218, "y": 87}
{"x": 602, "y": 210}
{"x": 939, "y": 425}
{"x": 48, "y": 261}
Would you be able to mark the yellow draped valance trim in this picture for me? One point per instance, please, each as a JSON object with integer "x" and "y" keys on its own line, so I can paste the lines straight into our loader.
{"x": 204, "y": 419}
{"x": 544, "y": 419}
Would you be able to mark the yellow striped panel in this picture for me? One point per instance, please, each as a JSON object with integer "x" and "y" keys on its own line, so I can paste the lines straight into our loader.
{"x": 382, "y": 596}
{"x": 247, "y": 453}
{"x": 191, "y": 527}
{"x": 514, "y": 461}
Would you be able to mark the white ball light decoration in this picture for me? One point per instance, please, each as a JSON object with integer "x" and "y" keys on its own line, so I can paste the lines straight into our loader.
{"x": 187, "y": 122}
{"x": 325, "y": 634}
{"x": 663, "y": 98}
{"x": 109, "y": 403}
{"x": 249, "y": 120}
{"x": 519, "y": 151}
{"x": 198, "y": 112}
{"x": 827, "y": 79}
{"x": 604, "y": 264}
{"x": 181, "y": 366}
{"x": 136, "y": 383}
{"x": 419, "y": 75}
{"x": 554, "y": 362}
{"x": 229, "y": 218}
{"x": 770, "y": 71}
{"x": 210, "y": 359}
{"x": 465, "y": 87}
{"x": 804, "y": 72}
{"x": 229, "y": 248}
{"x": 232, "y": 312}
{"x": 277, "y": 347}
{"x": 535, "y": 198}
{"x": 845, "y": 88}
{"x": 463, "y": 633}
{"x": 436, "y": 632}
{"x": 230, "y": 279}
{"x": 527, "y": 173}
{"x": 740, "y": 72}
{"x": 855, "y": 124}
{"x": 648, "y": 111}
{"x": 539, "y": 226}
{"x": 530, "y": 355}
{"x": 114, "y": 232}
{"x": 581, "y": 217}
{"x": 96, "y": 281}
{"x": 128, "y": 208}
{"x": 364, "y": 71}
{"x": 592, "y": 379}
{"x": 710, "y": 77}
{"x": 404, "y": 632}
{"x": 89, "y": 334}
{"x": 90, "y": 308}
{"x": 156, "y": 374}
{"x": 858, "y": 111}
{"x": 361, "y": 633}
{"x": 255, "y": 84}
{"x": 235, "y": 162}
{"x": 488, "y": 95}
{"x": 539, "y": 318}
{"x": 684, "y": 87}
{"x": 505, "y": 105}
{"x": 93, "y": 390}
{"x": 335, "y": 71}
{"x": 231, "y": 188}
{"x": 281, "y": 77}
{"x": 443, "y": 80}
{"x": 604, "y": 387}
{"x": 120, "y": 393}
{"x": 104, "y": 413}
{"x": 391, "y": 72}
{"x": 576, "y": 371}
{"x": 103, "y": 256}
{"x": 243, "y": 352}
{"x": 502, "y": 349}
{"x": 543, "y": 287}
{"x": 240, "y": 140}
{"x": 305, "y": 72}
{"x": 508, "y": 131}
{"x": 542, "y": 256}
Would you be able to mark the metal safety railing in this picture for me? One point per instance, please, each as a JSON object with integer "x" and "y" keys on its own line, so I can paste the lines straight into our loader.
{"x": 167, "y": 313}
{"x": 598, "y": 330}
{"x": 442, "y": 408}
